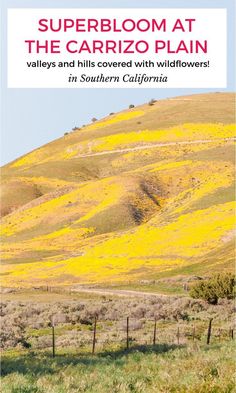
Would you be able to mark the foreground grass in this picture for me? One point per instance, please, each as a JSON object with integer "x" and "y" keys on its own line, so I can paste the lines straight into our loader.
{"x": 162, "y": 368}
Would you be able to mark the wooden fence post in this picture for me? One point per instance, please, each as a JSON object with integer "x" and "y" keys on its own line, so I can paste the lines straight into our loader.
{"x": 209, "y": 331}
{"x": 193, "y": 337}
{"x": 94, "y": 334}
{"x": 127, "y": 333}
{"x": 219, "y": 334}
{"x": 155, "y": 332}
{"x": 231, "y": 333}
{"x": 53, "y": 340}
{"x": 178, "y": 334}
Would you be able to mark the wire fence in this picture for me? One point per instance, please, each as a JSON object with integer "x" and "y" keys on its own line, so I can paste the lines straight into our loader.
{"x": 131, "y": 332}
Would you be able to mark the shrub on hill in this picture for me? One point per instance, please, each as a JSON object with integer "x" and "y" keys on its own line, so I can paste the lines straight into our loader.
{"x": 151, "y": 102}
{"x": 219, "y": 286}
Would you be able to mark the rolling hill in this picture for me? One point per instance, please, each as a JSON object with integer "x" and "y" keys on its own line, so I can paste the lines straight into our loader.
{"x": 141, "y": 194}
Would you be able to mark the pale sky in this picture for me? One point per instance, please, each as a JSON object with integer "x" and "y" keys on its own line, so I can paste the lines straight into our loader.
{"x": 33, "y": 117}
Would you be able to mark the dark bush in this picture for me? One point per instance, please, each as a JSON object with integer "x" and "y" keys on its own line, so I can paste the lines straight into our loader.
{"x": 131, "y": 106}
{"x": 151, "y": 102}
{"x": 94, "y": 119}
{"x": 219, "y": 286}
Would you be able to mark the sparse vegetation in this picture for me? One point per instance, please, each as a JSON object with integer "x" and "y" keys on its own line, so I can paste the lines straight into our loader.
{"x": 94, "y": 119}
{"x": 28, "y": 323}
{"x": 143, "y": 368}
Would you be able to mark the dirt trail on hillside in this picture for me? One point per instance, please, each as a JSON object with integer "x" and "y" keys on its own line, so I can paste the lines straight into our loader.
{"x": 153, "y": 146}
{"x": 118, "y": 292}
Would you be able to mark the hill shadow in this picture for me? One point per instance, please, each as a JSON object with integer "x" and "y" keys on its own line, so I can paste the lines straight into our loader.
{"x": 43, "y": 363}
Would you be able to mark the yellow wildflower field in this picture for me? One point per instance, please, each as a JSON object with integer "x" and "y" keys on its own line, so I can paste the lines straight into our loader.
{"x": 124, "y": 216}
